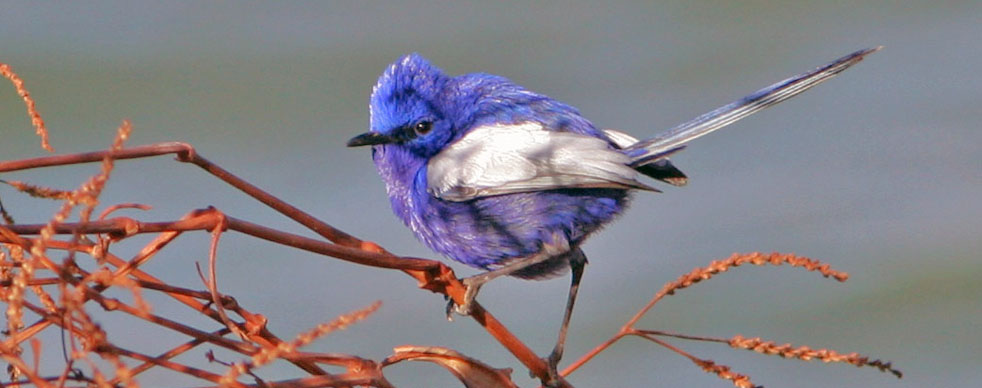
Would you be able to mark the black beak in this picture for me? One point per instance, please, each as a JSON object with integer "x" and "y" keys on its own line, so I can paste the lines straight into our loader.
{"x": 370, "y": 138}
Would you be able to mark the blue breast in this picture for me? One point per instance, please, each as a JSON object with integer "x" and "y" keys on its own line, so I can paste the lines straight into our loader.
{"x": 489, "y": 231}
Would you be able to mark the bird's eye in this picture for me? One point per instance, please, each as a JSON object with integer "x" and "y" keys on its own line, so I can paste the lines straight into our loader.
{"x": 423, "y": 127}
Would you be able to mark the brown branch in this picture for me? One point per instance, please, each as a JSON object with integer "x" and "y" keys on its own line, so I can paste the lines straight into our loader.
{"x": 111, "y": 304}
{"x": 208, "y": 219}
{"x": 267, "y": 355}
{"x": 263, "y": 336}
{"x": 432, "y": 275}
{"x": 212, "y": 282}
{"x": 164, "y": 362}
{"x": 736, "y": 260}
{"x": 150, "y": 362}
{"x": 698, "y": 275}
{"x": 186, "y": 153}
{"x": 721, "y": 371}
{"x": 203, "y": 220}
{"x": 343, "y": 380}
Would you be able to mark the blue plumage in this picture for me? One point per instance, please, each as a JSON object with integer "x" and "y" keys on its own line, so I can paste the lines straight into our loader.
{"x": 485, "y": 171}
{"x": 483, "y": 232}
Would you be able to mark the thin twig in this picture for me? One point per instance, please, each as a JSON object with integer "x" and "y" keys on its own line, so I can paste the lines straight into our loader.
{"x": 36, "y": 120}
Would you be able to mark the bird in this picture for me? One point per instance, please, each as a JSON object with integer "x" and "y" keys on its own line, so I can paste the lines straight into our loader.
{"x": 511, "y": 181}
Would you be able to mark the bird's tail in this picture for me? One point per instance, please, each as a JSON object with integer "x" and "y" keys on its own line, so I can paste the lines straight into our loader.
{"x": 661, "y": 168}
{"x": 648, "y": 152}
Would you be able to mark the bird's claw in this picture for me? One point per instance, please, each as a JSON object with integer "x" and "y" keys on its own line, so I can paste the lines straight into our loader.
{"x": 451, "y": 308}
{"x": 552, "y": 362}
{"x": 472, "y": 287}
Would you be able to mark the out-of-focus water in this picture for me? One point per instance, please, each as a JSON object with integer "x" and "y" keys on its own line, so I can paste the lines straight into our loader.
{"x": 878, "y": 172}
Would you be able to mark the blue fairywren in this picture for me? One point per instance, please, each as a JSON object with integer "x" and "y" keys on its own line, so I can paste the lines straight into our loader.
{"x": 510, "y": 181}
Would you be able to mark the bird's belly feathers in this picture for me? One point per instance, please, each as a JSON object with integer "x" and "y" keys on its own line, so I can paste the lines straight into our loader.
{"x": 487, "y": 232}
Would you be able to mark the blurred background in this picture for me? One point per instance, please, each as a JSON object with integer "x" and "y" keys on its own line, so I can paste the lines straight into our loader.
{"x": 877, "y": 172}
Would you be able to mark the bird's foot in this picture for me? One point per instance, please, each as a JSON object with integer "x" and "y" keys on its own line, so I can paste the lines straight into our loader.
{"x": 473, "y": 285}
{"x": 552, "y": 362}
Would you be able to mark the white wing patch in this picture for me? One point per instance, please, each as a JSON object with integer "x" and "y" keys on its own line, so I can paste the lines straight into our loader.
{"x": 505, "y": 159}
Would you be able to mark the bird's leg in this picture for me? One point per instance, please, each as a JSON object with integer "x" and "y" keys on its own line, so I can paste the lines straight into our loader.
{"x": 559, "y": 246}
{"x": 577, "y": 262}
{"x": 475, "y": 282}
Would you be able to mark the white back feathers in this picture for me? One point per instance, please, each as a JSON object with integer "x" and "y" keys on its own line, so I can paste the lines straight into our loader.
{"x": 505, "y": 159}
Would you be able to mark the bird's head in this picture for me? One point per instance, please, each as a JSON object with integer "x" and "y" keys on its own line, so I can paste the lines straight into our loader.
{"x": 409, "y": 109}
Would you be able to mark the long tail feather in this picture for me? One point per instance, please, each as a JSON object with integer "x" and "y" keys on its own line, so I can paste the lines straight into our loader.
{"x": 741, "y": 108}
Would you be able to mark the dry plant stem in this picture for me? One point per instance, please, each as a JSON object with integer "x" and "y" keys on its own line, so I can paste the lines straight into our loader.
{"x": 38, "y": 191}
{"x": 700, "y": 274}
{"x": 154, "y": 361}
{"x": 164, "y": 362}
{"x": 683, "y": 336}
{"x": 113, "y": 304}
{"x": 106, "y": 348}
{"x": 339, "y": 359}
{"x": 206, "y": 220}
{"x": 432, "y": 275}
{"x": 177, "y": 290}
{"x": 804, "y": 353}
{"x": 59, "y": 381}
{"x": 32, "y": 111}
{"x": 16, "y": 362}
{"x": 267, "y": 355}
{"x": 33, "y": 282}
{"x": 342, "y": 380}
{"x": 212, "y": 283}
{"x": 202, "y": 220}
{"x": 105, "y": 213}
{"x": 263, "y": 337}
{"x": 722, "y": 371}
{"x": 57, "y": 320}
{"x": 85, "y": 196}
{"x": 186, "y": 153}
{"x": 807, "y": 354}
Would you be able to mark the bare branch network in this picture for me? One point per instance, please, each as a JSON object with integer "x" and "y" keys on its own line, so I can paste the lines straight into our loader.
{"x": 46, "y": 294}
